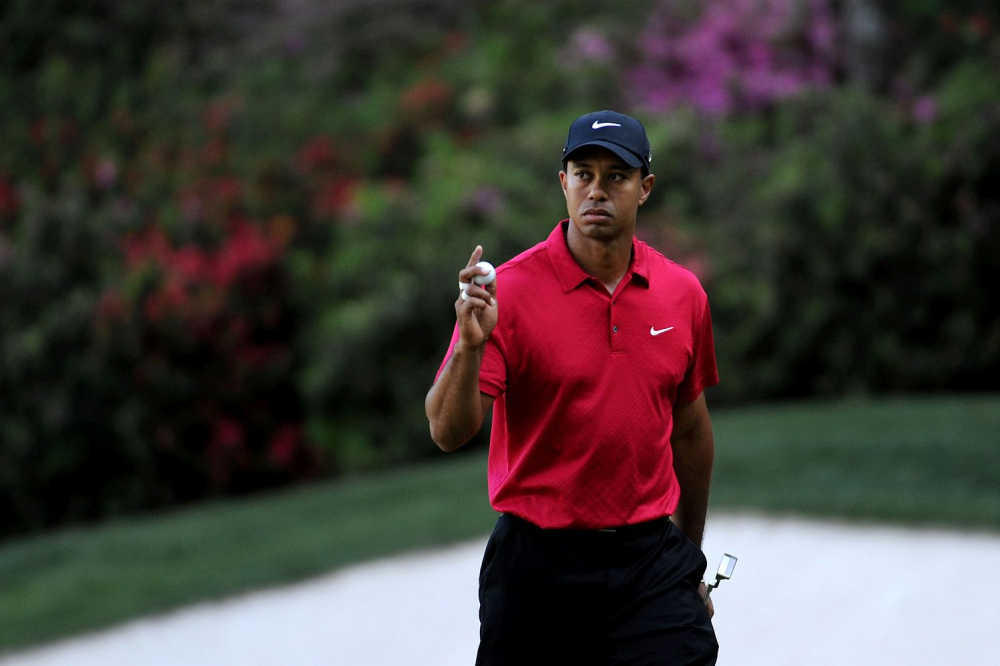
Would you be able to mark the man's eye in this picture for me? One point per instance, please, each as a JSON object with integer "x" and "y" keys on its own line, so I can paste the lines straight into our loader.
{"x": 617, "y": 176}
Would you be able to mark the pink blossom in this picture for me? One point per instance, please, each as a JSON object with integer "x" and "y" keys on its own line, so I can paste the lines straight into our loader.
{"x": 736, "y": 55}
{"x": 925, "y": 110}
{"x": 590, "y": 45}
{"x": 105, "y": 173}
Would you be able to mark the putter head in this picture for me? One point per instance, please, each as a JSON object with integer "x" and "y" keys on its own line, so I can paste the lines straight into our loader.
{"x": 726, "y": 567}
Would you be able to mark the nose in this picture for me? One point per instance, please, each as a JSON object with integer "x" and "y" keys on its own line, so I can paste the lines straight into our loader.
{"x": 597, "y": 192}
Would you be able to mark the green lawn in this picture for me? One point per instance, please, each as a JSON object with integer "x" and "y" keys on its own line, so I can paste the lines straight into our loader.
{"x": 907, "y": 460}
{"x": 926, "y": 460}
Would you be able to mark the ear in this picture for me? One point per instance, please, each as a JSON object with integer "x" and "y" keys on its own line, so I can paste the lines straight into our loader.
{"x": 647, "y": 187}
{"x": 563, "y": 183}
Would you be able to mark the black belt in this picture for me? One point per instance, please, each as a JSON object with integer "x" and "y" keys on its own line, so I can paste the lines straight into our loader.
{"x": 638, "y": 529}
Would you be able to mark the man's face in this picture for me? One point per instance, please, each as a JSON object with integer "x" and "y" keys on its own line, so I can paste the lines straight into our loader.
{"x": 603, "y": 193}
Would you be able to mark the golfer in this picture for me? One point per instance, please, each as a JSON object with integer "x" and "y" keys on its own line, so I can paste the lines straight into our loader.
{"x": 593, "y": 350}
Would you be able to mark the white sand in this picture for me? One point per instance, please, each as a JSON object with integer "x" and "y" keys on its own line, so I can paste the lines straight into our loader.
{"x": 803, "y": 594}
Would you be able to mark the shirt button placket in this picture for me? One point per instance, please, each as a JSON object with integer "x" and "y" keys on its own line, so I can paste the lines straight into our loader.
{"x": 616, "y": 337}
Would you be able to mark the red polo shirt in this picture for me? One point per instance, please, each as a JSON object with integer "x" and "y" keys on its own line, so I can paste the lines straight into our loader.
{"x": 585, "y": 382}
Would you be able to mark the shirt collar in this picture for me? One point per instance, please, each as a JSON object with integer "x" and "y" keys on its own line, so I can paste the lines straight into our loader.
{"x": 571, "y": 275}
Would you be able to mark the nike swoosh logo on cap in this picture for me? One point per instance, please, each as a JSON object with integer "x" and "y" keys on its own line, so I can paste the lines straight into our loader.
{"x": 598, "y": 125}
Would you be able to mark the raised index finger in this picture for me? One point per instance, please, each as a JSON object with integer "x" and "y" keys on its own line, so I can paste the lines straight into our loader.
{"x": 476, "y": 255}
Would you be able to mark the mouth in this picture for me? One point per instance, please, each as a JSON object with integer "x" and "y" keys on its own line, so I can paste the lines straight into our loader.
{"x": 595, "y": 215}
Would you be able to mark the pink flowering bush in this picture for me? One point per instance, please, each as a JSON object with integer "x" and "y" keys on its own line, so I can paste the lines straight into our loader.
{"x": 218, "y": 276}
{"x": 732, "y": 55}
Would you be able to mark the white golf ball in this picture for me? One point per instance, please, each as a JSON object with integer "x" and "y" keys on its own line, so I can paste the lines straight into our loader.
{"x": 485, "y": 279}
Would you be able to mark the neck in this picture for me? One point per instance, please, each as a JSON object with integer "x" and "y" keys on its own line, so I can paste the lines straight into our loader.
{"x": 605, "y": 259}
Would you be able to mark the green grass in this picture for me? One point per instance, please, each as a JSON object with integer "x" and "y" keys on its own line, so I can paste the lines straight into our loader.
{"x": 926, "y": 460}
{"x": 72, "y": 581}
{"x": 909, "y": 460}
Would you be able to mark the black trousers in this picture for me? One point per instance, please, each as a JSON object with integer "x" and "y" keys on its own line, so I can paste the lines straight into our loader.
{"x": 580, "y": 597}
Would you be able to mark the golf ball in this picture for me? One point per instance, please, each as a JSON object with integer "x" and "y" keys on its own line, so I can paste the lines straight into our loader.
{"x": 485, "y": 279}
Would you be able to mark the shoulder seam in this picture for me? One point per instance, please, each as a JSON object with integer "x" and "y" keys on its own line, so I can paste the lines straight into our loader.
{"x": 524, "y": 256}
{"x": 659, "y": 254}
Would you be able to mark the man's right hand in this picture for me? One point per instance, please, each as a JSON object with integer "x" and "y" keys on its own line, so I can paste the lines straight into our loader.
{"x": 477, "y": 315}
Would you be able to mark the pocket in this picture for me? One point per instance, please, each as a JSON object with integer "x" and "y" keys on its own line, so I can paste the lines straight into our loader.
{"x": 493, "y": 543}
{"x": 694, "y": 555}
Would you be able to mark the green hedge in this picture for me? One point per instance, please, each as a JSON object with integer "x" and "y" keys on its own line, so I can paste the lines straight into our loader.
{"x": 849, "y": 244}
{"x": 225, "y": 267}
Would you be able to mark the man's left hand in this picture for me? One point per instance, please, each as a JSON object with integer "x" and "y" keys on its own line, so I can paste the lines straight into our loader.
{"x": 703, "y": 590}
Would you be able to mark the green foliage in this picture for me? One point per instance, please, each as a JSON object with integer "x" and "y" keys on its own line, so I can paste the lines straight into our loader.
{"x": 849, "y": 243}
{"x": 227, "y": 258}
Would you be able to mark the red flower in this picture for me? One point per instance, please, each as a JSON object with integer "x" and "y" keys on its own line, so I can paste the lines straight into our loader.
{"x": 8, "y": 196}
{"x": 425, "y": 94}
{"x": 246, "y": 249}
{"x": 227, "y": 434}
{"x": 319, "y": 153}
{"x": 284, "y": 445}
{"x": 189, "y": 263}
{"x": 334, "y": 196}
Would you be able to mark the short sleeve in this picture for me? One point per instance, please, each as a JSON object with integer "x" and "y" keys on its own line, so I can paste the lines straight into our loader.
{"x": 493, "y": 371}
{"x": 702, "y": 371}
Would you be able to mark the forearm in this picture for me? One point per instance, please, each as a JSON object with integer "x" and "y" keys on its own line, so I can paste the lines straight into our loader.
{"x": 694, "y": 456}
{"x": 454, "y": 405}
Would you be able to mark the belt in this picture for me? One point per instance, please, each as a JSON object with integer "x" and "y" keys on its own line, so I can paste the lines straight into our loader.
{"x": 637, "y": 529}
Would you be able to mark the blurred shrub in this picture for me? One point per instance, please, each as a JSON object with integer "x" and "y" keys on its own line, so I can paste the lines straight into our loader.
{"x": 732, "y": 55}
{"x": 850, "y": 239}
{"x": 148, "y": 333}
{"x": 219, "y": 275}
{"x": 210, "y": 292}
{"x": 119, "y": 35}
{"x": 924, "y": 41}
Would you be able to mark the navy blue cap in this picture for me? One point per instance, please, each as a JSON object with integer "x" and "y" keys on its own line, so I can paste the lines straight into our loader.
{"x": 623, "y": 135}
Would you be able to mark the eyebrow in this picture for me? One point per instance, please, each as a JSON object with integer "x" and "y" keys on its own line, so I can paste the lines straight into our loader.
{"x": 619, "y": 166}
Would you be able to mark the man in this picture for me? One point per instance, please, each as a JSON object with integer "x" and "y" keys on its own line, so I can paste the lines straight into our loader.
{"x": 593, "y": 351}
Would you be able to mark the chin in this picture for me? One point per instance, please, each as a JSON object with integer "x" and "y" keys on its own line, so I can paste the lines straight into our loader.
{"x": 599, "y": 230}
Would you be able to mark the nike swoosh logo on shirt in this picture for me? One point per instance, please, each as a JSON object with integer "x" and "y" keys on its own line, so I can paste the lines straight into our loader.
{"x": 598, "y": 125}
{"x": 654, "y": 332}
